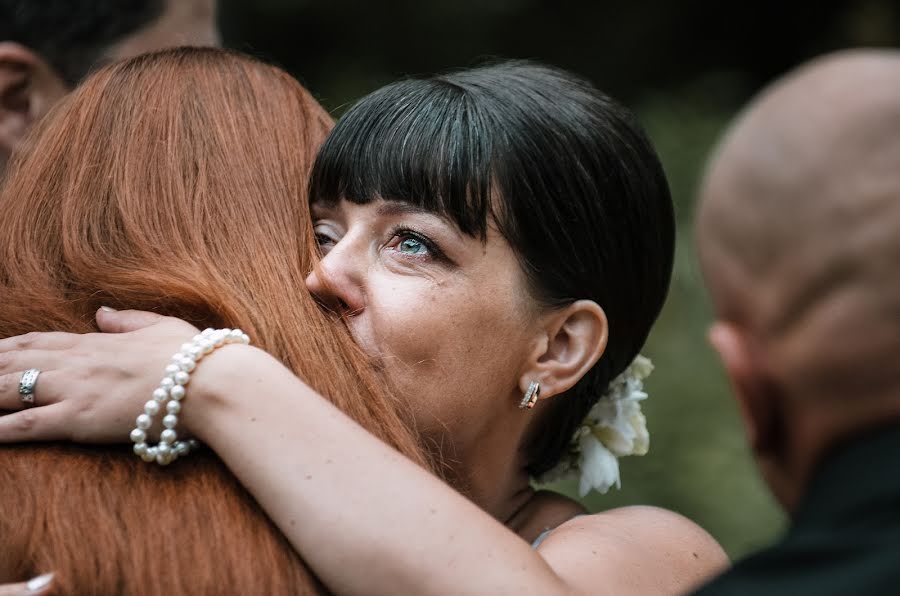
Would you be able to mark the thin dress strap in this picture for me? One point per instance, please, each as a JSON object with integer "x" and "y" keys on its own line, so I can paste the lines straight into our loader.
{"x": 543, "y": 535}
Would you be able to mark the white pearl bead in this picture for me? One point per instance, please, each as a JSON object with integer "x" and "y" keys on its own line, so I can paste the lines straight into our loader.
{"x": 164, "y": 460}
{"x": 138, "y": 436}
{"x": 177, "y": 392}
{"x": 207, "y": 332}
{"x": 182, "y": 378}
{"x": 170, "y": 421}
{"x": 162, "y": 449}
{"x": 195, "y": 352}
{"x": 188, "y": 364}
{"x": 140, "y": 449}
{"x": 235, "y": 334}
{"x": 160, "y": 394}
{"x": 193, "y": 444}
{"x": 205, "y": 345}
{"x": 171, "y": 369}
{"x": 182, "y": 448}
{"x": 173, "y": 407}
{"x": 151, "y": 408}
{"x": 147, "y": 456}
{"x": 144, "y": 422}
{"x": 186, "y": 348}
{"x": 168, "y": 436}
{"x": 167, "y": 383}
{"x": 245, "y": 339}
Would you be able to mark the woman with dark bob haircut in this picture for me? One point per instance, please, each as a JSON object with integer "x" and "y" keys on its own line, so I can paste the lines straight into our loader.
{"x": 499, "y": 241}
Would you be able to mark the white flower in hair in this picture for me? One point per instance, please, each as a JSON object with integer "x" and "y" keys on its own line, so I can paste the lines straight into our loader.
{"x": 615, "y": 427}
{"x": 599, "y": 467}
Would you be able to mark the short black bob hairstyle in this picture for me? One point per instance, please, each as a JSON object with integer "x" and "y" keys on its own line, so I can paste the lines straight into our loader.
{"x": 565, "y": 173}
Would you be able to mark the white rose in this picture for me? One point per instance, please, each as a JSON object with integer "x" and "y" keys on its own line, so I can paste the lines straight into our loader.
{"x": 599, "y": 467}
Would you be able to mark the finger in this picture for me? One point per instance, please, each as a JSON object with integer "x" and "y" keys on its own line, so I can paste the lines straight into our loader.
{"x": 35, "y": 424}
{"x": 47, "y": 390}
{"x": 49, "y": 340}
{"x": 123, "y": 321}
{"x": 15, "y": 361}
{"x": 14, "y": 589}
{"x": 41, "y": 584}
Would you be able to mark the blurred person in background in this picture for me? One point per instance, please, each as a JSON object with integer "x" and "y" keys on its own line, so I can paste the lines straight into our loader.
{"x": 799, "y": 239}
{"x": 48, "y": 46}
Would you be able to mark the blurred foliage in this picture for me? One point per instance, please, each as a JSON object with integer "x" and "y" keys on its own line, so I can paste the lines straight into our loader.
{"x": 685, "y": 67}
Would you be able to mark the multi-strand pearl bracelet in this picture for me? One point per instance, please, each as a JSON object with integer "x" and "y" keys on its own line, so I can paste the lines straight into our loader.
{"x": 170, "y": 393}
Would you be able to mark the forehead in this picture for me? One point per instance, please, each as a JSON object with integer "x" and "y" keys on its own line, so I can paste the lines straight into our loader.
{"x": 183, "y": 22}
{"x": 380, "y": 208}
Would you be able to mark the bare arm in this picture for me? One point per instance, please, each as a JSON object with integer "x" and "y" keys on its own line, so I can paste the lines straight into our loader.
{"x": 395, "y": 529}
{"x": 367, "y": 520}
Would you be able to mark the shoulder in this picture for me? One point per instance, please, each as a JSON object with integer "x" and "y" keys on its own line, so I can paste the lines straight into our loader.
{"x": 636, "y": 550}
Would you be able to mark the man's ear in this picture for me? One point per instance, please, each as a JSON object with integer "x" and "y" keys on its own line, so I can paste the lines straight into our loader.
{"x": 573, "y": 340}
{"x": 756, "y": 398}
{"x": 28, "y": 89}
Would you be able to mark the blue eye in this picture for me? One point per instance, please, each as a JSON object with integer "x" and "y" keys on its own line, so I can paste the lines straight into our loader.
{"x": 415, "y": 245}
{"x": 411, "y": 246}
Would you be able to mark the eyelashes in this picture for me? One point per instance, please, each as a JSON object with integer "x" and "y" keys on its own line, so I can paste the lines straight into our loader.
{"x": 401, "y": 234}
{"x": 399, "y": 238}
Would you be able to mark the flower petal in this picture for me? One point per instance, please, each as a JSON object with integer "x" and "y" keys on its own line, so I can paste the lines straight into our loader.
{"x": 599, "y": 467}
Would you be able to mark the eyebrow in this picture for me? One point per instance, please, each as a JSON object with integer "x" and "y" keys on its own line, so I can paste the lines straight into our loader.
{"x": 393, "y": 208}
{"x": 389, "y": 208}
{"x": 401, "y": 208}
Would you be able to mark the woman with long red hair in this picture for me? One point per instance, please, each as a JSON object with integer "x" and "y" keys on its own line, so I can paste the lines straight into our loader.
{"x": 173, "y": 182}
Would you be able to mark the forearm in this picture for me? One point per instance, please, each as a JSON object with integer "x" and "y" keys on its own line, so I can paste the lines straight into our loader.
{"x": 367, "y": 520}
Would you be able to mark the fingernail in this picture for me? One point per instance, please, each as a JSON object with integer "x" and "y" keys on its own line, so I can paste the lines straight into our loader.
{"x": 38, "y": 583}
{"x": 107, "y": 309}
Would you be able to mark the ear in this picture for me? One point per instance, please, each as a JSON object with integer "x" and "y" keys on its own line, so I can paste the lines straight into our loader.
{"x": 572, "y": 341}
{"x": 757, "y": 403}
{"x": 763, "y": 407}
{"x": 28, "y": 89}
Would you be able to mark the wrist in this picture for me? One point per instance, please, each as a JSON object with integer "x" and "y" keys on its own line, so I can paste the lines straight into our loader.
{"x": 217, "y": 385}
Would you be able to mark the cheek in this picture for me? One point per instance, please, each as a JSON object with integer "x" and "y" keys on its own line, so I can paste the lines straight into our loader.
{"x": 433, "y": 338}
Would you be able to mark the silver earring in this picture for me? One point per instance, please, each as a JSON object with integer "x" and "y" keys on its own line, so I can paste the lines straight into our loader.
{"x": 531, "y": 396}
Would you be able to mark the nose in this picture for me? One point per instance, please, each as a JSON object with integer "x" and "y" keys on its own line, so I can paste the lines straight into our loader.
{"x": 337, "y": 281}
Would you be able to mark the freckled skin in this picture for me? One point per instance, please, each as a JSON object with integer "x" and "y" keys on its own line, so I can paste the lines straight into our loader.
{"x": 452, "y": 334}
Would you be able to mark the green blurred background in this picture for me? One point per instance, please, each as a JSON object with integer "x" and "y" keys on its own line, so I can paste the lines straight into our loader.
{"x": 685, "y": 67}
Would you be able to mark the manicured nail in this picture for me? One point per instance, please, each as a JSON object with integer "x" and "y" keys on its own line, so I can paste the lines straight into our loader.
{"x": 107, "y": 309}
{"x": 39, "y": 583}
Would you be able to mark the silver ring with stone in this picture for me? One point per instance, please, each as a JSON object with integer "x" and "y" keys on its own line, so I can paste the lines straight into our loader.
{"x": 26, "y": 386}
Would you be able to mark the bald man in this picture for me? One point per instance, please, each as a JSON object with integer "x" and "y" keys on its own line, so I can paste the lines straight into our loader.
{"x": 799, "y": 240}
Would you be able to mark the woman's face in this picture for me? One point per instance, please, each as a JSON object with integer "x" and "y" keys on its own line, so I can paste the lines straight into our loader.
{"x": 447, "y": 315}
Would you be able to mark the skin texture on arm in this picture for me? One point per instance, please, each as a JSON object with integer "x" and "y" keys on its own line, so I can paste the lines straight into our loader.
{"x": 367, "y": 520}
{"x": 404, "y": 530}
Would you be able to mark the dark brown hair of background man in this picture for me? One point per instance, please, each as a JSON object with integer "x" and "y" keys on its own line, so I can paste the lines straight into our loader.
{"x": 799, "y": 239}
{"x": 48, "y": 46}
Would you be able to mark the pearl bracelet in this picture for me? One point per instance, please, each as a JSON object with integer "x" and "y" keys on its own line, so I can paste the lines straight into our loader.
{"x": 170, "y": 393}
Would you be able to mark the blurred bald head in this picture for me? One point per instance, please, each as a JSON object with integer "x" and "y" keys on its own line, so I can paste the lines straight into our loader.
{"x": 799, "y": 227}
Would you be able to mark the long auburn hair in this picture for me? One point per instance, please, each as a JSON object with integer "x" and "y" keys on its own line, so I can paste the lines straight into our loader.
{"x": 174, "y": 182}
